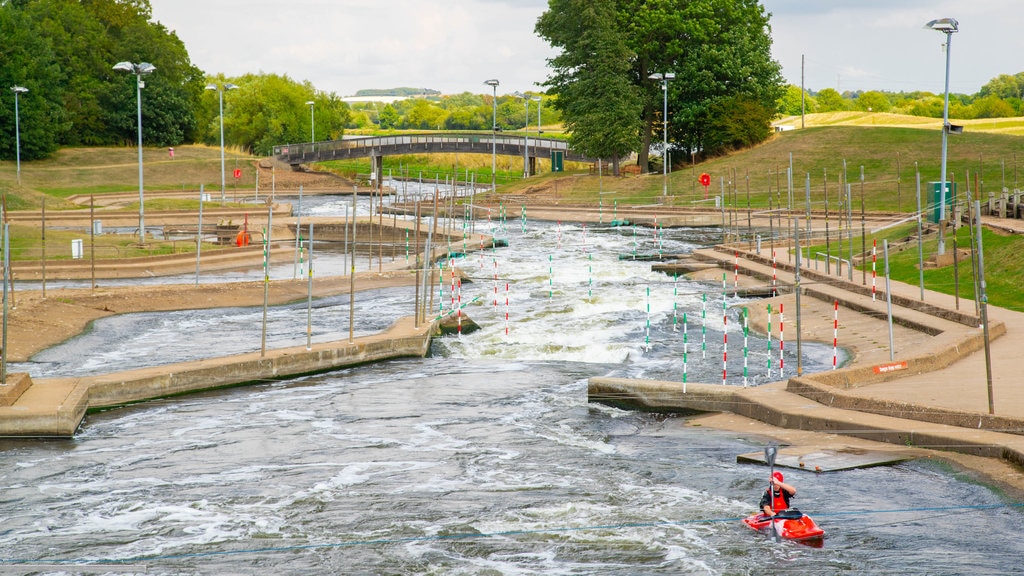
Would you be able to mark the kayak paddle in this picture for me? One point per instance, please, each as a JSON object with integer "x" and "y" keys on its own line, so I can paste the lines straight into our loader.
{"x": 769, "y": 455}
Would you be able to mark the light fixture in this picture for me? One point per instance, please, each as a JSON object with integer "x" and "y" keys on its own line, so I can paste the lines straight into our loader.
{"x": 664, "y": 78}
{"x": 947, "y": 26}
{"x": 493, "y": 83}
{"x": 139, "y": 70}
{"x": 220, "y": 98}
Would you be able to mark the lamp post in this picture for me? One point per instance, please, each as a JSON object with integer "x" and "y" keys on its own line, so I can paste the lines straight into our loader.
{"x": 140, "y": 69}
{"x": 947, "y": 26}
{"x": 220, "y": 98}
{"x": 17, "y": 130}
{"x": 526, "y": 137}
{"x": 664, "y": 78}
{"x": 312, "y": 123}
{"x": 537, "y": 100}
{"x": 494, "y": 130}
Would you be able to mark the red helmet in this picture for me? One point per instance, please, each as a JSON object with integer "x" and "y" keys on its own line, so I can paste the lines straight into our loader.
{"x": 778, "y": 476}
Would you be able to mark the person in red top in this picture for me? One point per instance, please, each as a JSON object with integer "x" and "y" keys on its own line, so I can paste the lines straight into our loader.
{"x": 777, "y": 499}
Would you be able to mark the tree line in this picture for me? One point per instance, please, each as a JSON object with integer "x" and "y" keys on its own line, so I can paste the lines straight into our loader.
{"x": 609, "y": 84}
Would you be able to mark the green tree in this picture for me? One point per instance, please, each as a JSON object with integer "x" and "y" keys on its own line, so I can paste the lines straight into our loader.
{"x": 991, "y": 106}
{"x": 873, "y": 101}
{"x": 389, "y": 118}
{"x": 28, "y": 61}
{"x": 75, "y": 45}
{"x": 791, "y": 103}
{"x": 739, "y": 122}
{"x": 717, "y": 49}
{"x": 270, "y": 109}
{"x": 600, "y": 105}
{"x": 829, "y": 100}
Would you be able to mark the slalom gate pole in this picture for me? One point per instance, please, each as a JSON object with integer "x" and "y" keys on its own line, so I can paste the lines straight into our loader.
{"x": 725, "y": 332}
{"x": 675, "y": 295}
{"x": 835, "y": 333}
{"x": 685, "y": 352}
{"x": 704, "y": 326}
{"x": 736, "y": 275}
{"x": 746, "y": 335}
{"x": 874, "y": 274}
{"x": 769, "y": 340}
{"x": 775, "y": 291}
{"x": 647, "y": 330}
{"x": 782, "y": 341}
{"x": 551, "y": 277}
{"x": 590, "y": 276}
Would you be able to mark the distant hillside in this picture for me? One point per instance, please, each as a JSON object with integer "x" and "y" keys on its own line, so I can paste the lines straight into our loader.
{"x": 404, "y": 92}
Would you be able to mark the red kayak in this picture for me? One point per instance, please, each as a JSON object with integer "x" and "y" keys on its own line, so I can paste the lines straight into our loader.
{"x": 790, "y": 524}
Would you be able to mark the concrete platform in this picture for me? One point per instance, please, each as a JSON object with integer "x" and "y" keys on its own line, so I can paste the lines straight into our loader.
{"x": 826, "y": 460}
{"x": 55, "y": 407}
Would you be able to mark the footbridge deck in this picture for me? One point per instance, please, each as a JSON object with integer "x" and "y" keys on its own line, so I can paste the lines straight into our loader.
{"x": 467, "y": 143}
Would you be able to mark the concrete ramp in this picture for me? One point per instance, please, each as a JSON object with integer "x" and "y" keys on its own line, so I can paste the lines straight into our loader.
{"x": 827, "y": 460}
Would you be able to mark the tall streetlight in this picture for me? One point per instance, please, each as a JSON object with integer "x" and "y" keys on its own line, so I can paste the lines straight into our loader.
{"x": 664, "y": 78}
{"x": 537, "y": 100}
{"x": 220, "y": 97}
{"x": 526, "y": 137}
{"x": 17, "y": 131}
{"x": 312, "y": 123}
{"x": 947, "y": 26}
{"x": 494, "y": 130}
{"x": 140, "y": 69}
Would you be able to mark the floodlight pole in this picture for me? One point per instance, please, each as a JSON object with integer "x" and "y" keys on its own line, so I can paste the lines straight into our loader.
{"x": 664, "y": 78}
{"x": 947, "y": 26}
{"x": 138, "y": 70}
{"x": 220, "y": 96}
{"x": 493, "y": 83}
{"x": 17, "y": 129}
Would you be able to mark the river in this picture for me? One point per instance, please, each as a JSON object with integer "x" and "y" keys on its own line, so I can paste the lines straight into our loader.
{"x": 483, "y": 458}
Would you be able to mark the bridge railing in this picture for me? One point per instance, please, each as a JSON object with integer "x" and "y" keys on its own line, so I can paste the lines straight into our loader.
{"x": 409, "y": 143}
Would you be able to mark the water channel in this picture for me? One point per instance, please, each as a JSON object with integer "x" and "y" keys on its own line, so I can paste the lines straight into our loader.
{"x": 483, "y": 458}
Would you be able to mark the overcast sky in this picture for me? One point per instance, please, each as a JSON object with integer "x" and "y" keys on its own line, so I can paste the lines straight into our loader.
{"x": 343, "y": 46}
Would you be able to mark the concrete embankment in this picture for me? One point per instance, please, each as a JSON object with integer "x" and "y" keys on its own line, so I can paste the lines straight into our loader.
{"x": 56, "y": 407}
{"x": 926, "y": 391}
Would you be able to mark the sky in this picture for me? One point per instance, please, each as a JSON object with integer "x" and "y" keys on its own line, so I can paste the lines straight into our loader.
{"x": 342, "y": 46}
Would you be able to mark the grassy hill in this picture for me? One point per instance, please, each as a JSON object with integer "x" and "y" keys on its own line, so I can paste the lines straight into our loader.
{"x": 887, "y": 152}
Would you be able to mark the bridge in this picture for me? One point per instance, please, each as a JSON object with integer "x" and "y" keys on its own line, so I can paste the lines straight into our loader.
{"x": 376, "y": 147}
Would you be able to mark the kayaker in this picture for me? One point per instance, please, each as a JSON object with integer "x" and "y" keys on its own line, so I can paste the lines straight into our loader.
{"x": 777, "y": 500}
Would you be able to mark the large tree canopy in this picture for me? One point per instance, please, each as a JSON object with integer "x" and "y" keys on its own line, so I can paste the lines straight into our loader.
{"x": 719, "y": 51}
{"x": 64, "y": 51}
{"x": 599, "y": 104}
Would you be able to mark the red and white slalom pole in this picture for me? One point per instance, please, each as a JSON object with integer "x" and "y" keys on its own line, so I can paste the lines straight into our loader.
{"x": 736, "y": 276}
{"x": 725, "y": 340}
{"x": 459, "y": 313}
{"x": 835, "y": 334}
{"x": 874, "y": 275}
{"x": 769, "y": 341}
{"x": 506, "y": 308}
{"x": 775, "y": 292}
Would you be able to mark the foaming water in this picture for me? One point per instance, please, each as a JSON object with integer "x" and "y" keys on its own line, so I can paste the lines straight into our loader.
{"x": 441, "y": 466}
{"x": 483, "y": 458}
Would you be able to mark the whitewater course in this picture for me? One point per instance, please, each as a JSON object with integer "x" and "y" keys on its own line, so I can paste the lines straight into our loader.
{"x": 517, "y": 448}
